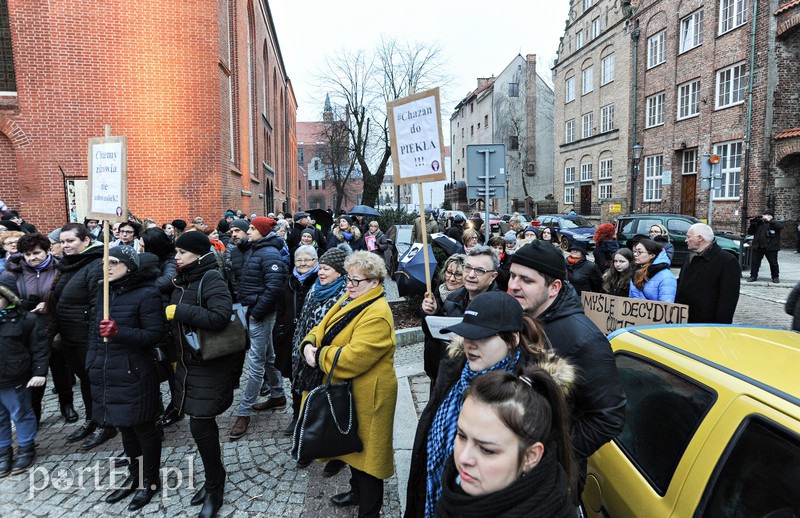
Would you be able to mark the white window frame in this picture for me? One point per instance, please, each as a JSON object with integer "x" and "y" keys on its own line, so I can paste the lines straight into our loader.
{"x": 606, "y": 168}
{"x": 688, "y": 100}
{"x": 607, "y": 118}
{"x": 569, "y": 195}
{"x": 607, "y": 65}
{"x": 604, "y": 191}
{"x": 689, "y": 161}
{"x": 656, "y": 49}
{"x": 569, "y": 174}
{"x": 733, "y": 14}
{"x": 587, "y": 77}
{"x": 730, "y": 166}
{"x": 587, "y": 123}
{"x": 586, "y": 172}
{"x": 569, "y": 89}
{"x": 653, "y": 176}
{"x": 731, "y": 86}
{"x": 579, "y": 40}
{"x": 691, "y": 31}
{"x": 587, "y": 4}
{"x": 595, "y": 27}
{"x": 569, "y": 131}
{"x": 655, "y": 110}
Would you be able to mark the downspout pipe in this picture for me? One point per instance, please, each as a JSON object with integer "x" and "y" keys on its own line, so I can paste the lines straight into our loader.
{"x": 748, "y": 134}
{"x": 634, "y": 167}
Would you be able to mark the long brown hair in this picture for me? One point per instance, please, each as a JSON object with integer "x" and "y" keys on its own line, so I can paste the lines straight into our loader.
{"x": 614, "y": 280}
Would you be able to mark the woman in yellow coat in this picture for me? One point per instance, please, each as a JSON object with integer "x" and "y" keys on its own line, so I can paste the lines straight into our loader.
{"x": 368, "y": 343}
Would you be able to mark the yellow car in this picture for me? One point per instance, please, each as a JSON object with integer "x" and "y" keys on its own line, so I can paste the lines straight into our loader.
{"x": 712, "y": 426}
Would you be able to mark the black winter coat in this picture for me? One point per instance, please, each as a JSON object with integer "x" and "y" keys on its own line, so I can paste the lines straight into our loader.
{"x": 24, "y": 350}
{"x": 122, "y": 371}
{"x": 205, "y": 388}
{"x": 263, "y": 275}
{"x": 766, "y": 234}
{"x": 75, "y": 295}
{"x": 234, "y": 262}
{"x": 584, "y": 276}
{"x": 290, "y": 304}
{"x": 709, "y": 285}
{"x": 457, "y": 302}
{"x": 604, "y": 254}
{"x": 793, "y": 307}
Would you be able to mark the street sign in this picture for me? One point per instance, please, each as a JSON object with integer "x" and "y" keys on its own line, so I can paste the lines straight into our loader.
{"x": 614, "y": 207}
{"x": 476, "y": 162}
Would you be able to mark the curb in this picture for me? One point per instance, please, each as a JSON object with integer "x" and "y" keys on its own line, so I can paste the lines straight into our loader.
{"x": 409, "y": 336}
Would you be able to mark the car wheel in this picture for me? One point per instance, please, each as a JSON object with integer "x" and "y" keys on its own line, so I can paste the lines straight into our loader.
{"x": 564, "y": 243}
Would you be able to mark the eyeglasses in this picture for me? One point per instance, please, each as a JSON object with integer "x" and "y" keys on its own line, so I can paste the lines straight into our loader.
{"x": 304, "y": 261}
{"x": 455, "y": 275}
{"x": 9, "y": 242}
{"x": 114, "y": 262}
{"x": 639, "y": 252}
{"x": 126, "y": 232}
{"x": 480, "y": 272}
{"x": 354, "y": 281}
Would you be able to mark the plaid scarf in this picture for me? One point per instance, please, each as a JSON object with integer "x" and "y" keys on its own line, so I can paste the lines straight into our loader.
{"x": 442, "y": 434}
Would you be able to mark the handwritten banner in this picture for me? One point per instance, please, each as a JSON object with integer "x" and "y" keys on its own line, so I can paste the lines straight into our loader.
{"x": 609, "y": 312}
{"x": 108, "y": 189}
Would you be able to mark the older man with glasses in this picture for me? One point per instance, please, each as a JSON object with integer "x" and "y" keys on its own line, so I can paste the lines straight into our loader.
{"x": 480, "y": 272}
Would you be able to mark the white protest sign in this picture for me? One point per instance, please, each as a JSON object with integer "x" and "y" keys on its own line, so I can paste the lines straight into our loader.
{"x": 415, "y": 128}
{"x": 609, "y": 312}
{"x": 108, "y": 190}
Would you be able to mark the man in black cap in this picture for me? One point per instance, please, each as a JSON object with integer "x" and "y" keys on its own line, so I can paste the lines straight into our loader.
{"x": 234, "y": 253}
{"x": 302, "y": 221}
{"x": 538, "y": 282}
{"x": 766, "y": 232}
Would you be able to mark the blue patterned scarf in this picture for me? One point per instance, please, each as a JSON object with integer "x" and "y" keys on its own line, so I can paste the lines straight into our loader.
{"x": 322, "y": 293}
{"x": 443, "y": 428}
{"x": 303, "y": 276}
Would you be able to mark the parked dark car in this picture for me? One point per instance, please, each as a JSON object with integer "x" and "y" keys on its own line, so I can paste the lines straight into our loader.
{"x": 567, "y": 229}
{"x": 677, "y": 225}
{"x": 399, "y": 238}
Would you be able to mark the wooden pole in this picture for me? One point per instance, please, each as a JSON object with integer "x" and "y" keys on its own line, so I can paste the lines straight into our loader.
{"x": 105, "y": 258}
{"x": 424, "y": 228}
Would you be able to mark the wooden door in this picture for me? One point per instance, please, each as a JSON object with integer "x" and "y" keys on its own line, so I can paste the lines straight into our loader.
{"x": 688, "y": 194}
{"x": 586, "y": 199}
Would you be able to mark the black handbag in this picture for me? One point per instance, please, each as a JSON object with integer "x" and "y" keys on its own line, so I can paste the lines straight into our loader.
{"x": 209, "y": 344}
{"x": 327, "y": 426}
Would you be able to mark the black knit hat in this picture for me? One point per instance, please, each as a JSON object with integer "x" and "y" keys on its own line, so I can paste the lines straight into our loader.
{"x": 241, "y": 224}
{"x": 125, "y": 254}
{"x": 194, "y": 242}
{"x": 179, "y": 224}
{"x": 335, "y": 258}
{"x": 300, "y": 215}
{"x": 542, "y": 257}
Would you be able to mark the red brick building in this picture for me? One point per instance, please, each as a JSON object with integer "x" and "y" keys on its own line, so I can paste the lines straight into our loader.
{"x": 198, "y": 88}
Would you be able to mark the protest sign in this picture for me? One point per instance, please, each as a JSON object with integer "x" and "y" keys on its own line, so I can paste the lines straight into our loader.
{"x": 415, "y": 129}
{"x": 108, "y": 185}
{"x": 609, "y": 312}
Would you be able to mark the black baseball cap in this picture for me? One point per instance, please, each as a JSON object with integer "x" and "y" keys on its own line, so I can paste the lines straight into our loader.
{"x": 488, "y": 314}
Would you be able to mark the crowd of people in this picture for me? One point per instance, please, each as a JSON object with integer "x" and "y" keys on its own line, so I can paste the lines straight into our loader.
{"x": 523, "y": 392}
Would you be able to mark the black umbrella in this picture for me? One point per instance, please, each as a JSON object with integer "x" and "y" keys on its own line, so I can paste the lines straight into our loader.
{"x": 323, "y": 218}
{"x": 410, "y": 273}
{"x": 448, "y": 244}
{"x": 363, "y": 210}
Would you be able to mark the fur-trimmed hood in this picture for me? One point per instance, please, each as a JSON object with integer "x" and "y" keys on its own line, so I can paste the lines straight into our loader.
{"x": 8, "y": 293}
{"x": 561, "y": 370}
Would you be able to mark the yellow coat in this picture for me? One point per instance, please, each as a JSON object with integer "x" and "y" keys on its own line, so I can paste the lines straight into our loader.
{"x": 367, "y": 358}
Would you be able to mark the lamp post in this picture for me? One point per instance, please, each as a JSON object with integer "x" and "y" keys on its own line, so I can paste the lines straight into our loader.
{"x": 636, "y": 156}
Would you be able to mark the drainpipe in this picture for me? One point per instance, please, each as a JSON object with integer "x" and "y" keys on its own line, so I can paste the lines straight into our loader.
{"x": 634, "y": 167}
{"x": 748, "y": 134}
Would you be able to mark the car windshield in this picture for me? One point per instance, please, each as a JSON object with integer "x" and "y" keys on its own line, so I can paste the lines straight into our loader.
{"x": 575, "y": 223}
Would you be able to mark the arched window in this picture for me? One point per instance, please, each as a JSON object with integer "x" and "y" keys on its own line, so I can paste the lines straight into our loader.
{"x": 8, "y": 80}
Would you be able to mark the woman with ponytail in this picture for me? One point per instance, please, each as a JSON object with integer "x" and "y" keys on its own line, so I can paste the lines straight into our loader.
{"x": 652, "y": 280}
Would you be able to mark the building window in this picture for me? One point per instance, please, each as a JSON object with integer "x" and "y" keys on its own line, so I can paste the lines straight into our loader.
{"x": 653, "y": 166}
{"x": 607, "y": 69}
{"x": 689, "y": 99}
{"x": 513, "y": 143}
{"x": 472, "y": 131}
{"x": 606, "y": 118}
{"x": 595, "y": 28}
{"x": 606, "y": 166}
{"x": 692, "y": 31}
{"x": 569, "y": 89}
{"x": 485, "y": 121}
{"x": 655, "y": 110}
{"x": 513, "y": 89}
{"x": 569, "y": 131}
{"x": 655, "y": 49}
{"x": 689, "y": 162}
{"x": 462, "y": 132}
{"x": 569, "y": 195}
{"x": 586, "y": 125}
{"x": 731, "y": 84}
{"x": 587, "y": 4}
{"x": 471, "y": 107}
{"x": 569, "y": 174}
{"x": 730, "y": 154}
{"x": 588, "y": 80}
{"x": 604, "y": 191}
{"x": 732, "y": 14}
{"x": 8, "y": 80}
{"x": 578, "y": 40}
{"x": 300, "y": 156}
{"x": 586, "y": 172}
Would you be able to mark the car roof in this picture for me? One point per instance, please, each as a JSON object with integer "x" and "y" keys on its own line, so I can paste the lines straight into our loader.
{"x": 762, "y": 356}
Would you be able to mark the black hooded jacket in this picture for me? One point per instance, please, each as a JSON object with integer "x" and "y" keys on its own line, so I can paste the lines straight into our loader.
{"x": 75, "y": 295}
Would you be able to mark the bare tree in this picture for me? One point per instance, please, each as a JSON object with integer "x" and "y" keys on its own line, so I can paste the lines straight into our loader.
{"x": 338, "y": 156}
{"x": 363, "y": 82}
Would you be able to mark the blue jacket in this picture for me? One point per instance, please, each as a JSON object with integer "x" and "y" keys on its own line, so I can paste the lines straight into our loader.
{"x": 661, "y": 286}
{"x": 263, "y": 275}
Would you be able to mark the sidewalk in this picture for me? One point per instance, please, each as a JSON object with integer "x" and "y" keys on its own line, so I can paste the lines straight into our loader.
{"x": 788, "y": 265}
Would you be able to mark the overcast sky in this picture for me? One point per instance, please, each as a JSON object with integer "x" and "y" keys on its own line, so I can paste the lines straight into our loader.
{"x": 477, "y": 39}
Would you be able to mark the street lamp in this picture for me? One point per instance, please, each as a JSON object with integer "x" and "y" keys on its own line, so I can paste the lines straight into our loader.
{"x": 636, "y": 156}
